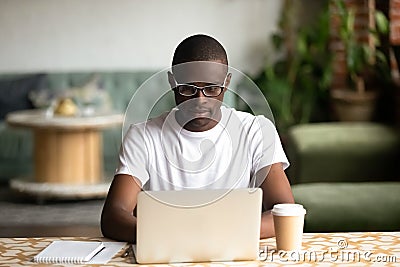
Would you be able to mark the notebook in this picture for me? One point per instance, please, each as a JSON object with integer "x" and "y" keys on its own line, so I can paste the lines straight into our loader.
{"x": 198, "y": 225}
{"x": 65, "y": 251}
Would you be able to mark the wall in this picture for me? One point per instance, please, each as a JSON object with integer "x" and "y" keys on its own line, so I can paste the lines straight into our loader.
{"x": 64, "y": 35}
{"x": 395, "y": 22}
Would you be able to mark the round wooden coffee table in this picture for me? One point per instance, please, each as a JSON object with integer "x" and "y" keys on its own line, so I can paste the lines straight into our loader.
{"x": 67, "y": 154}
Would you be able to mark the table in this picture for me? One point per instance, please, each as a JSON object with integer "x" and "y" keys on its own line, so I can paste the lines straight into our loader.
{"x": 67, "y": 151}
{"x": 319, "y": 249}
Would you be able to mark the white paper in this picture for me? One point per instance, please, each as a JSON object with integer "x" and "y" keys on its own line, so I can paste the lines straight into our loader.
{"x": 68, "y": 251}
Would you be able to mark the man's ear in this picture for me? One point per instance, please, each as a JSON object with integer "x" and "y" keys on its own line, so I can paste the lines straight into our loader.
{"x": 171, "y": 80}
{"x": 227, "y": 81}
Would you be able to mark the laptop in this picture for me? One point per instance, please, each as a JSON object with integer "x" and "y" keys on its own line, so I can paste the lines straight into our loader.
{"x": 198, "y": 225}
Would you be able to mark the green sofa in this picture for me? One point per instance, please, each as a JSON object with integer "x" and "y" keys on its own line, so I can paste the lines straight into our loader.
{"x": 346, "y": 175}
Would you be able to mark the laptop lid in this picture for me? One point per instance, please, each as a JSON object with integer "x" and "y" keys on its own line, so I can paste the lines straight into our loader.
{"x": 198, "y": 225}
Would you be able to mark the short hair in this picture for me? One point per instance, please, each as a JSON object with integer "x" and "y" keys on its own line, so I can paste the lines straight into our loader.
{"x": 199, "y": 47}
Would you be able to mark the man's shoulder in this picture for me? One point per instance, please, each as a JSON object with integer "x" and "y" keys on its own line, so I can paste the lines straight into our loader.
{"x": 151, "y": 123}
{"x": 228, "y": 111}
{"x": 246, "y": 117}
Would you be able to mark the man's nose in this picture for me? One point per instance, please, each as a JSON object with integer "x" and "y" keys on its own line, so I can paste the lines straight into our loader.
{"x": 200, "y": 98}
{"x": 199, "y": 93}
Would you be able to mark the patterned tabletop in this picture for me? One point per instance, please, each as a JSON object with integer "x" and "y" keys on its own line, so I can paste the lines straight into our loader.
{"x": 319, "y": 249}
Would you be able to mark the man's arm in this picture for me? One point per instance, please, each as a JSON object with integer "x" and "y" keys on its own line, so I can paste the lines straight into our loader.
{"x": 117, "y": 220}
{"x": 276, "y": 189}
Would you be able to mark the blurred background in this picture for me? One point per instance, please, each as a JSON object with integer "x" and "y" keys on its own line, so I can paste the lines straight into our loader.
{"x": 329, "y": 70}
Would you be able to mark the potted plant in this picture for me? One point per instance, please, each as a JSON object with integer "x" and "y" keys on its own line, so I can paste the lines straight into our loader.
{"x": 366, "y": 66}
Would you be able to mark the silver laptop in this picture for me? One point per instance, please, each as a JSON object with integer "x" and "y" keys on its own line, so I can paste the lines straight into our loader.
{"x": 198, "y": 225}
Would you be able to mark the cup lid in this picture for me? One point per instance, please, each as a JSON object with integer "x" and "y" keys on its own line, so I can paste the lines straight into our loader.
{"x": 287, "y": 209}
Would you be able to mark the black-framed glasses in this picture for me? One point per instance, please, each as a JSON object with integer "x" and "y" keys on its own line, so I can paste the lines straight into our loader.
{"x": 213, "y": 90}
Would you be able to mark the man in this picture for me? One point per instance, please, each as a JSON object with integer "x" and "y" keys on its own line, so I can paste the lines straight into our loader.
{"x": 200, "y": 144}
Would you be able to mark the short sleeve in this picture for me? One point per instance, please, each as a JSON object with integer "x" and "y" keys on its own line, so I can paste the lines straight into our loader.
{"x": 133, "y": 156}
{"x": 269, "y": 150}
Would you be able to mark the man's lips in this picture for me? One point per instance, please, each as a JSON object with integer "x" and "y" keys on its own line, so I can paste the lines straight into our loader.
{"x": 199, "y": 112}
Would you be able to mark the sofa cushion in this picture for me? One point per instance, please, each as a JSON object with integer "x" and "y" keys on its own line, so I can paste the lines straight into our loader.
{"x": 15, "y": 143}
{"x": 341, "y": 207}
{"x": 120, "y": 85}
{"x": 343, "y": 152}
{"x": 14, "y": 93}
{"x": 112, "y": 139}
{"x": 15, "y": 152}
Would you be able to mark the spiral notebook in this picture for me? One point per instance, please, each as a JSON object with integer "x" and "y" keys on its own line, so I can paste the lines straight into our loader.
{"x": 65, "y": 251}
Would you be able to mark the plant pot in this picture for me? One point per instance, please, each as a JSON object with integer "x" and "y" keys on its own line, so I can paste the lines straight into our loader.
{"x": 354, "y": 106}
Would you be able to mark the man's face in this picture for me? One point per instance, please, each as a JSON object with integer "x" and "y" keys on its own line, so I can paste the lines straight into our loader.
{"x": 199, "y": 112}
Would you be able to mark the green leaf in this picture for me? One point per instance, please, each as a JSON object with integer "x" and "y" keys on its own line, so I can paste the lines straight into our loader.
{"x": 382, "y": 23}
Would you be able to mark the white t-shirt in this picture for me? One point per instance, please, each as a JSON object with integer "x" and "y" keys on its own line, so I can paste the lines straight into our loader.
{"x": 165, "y": 156}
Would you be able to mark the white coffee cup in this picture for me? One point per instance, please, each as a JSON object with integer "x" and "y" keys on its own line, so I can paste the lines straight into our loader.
{"x": 288, "y": 224}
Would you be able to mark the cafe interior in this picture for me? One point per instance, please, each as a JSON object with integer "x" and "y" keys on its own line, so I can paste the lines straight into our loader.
{"x": 329, "y": 71}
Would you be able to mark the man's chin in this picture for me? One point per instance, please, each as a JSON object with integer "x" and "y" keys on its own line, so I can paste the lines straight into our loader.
{"x": 200, "y": 123}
